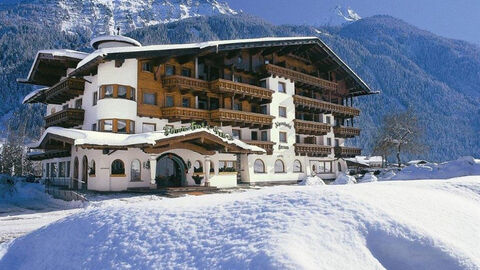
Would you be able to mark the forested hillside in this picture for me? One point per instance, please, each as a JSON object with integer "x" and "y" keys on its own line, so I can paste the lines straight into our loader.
{"x": 439, "y": 78}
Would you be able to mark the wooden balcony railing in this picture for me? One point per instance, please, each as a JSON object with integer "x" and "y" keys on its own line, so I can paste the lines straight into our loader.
{"x": 311, "y": 127}
{"x": 240, "y": 118}
{"x": 182, "y": 82}
{"x": 268, "y": 146}
{"x": 312, "y": 150}
{"x": 300, "y": 78}
{"x": 343, "y": 151}
{"x": 346, "y": 132}
{"x": 323, "y": 106}
{"x": 65, "y": 118}
{"x": 65, "y": 90}
{"x": 225, "y": 86}
{"x": 182, "y": 113}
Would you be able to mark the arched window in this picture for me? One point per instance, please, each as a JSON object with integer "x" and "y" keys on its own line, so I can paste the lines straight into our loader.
{"x": 197, "y": 166}
{"x": 279, "y": 166}
{"x": 118, "y": 168}
{"x": 135, "y": 170}
{"x": 91, "y": 168}
{"x": 259, "y": 166}
{"x": 297, "y": 166}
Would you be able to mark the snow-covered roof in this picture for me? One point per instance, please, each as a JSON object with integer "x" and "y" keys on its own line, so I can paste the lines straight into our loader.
{"x": 87, "y": 137}
{"x": 101, "y": 39}
{"x": 366, "y": 160}
{"x": 33, "y": 94}
{"x": 417, "y": 161}
{"x": 58, "y": 53}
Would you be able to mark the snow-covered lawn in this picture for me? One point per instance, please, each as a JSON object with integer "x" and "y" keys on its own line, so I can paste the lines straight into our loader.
{"x": 394, "y": 225}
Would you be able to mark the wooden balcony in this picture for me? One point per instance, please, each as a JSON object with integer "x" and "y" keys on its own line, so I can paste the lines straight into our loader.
{"x": 300, "y": 78}
{"x": 268, "y": 146}
{"x": 65, "y": 118}
{"x": 311, "y": 127}
{"x": 184, "y": 83}
{"x": 185, "y": 114}
{"x": 321, "y": 106}
{"x": 346, "y": 132}
{"x": 312, "y": 150}
{"x": 242, "y": 89}
{"x": 65, "y": 90}
{"x": 343, "y": 151}
{"x": 241, "y": 119}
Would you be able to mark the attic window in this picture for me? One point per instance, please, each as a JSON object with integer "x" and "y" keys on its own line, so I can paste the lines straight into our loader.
{"x": 147, "y": 67}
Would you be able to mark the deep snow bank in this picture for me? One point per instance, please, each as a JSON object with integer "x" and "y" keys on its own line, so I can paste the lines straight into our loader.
{"x": 394, "y": 225}
{"x": 312, "y": 181}
{"x": 461, "y": 167}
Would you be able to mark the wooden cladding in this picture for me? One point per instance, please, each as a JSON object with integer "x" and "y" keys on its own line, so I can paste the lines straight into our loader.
{"x": 65, "y": 118}
{"x": 343, "y": 151}
{"x": 240, "y": 118}
{"x": 324, "y": 107}
{"x": 312, "y": 150}
{"x": 64, "y": 90}
{"x": 300, "y": 78}
{"x": 267, "y": 145}
{"x": 311, "y": 128}
{"x": 175, "y": 82}
{"x": 346, "y": 132}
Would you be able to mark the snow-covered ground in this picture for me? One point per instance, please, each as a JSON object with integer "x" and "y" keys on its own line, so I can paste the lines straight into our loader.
{"x": 393, "y": 225}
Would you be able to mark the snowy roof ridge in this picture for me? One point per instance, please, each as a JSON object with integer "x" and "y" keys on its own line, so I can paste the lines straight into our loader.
{"x": 83, "y": 137}
{"x": 58, "y": 52}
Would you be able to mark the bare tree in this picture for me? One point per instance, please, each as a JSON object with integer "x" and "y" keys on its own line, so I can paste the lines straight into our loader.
{"x": 400, "y": 133}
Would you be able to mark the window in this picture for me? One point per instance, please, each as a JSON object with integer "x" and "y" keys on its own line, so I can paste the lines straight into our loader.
{"x": 169, "y": 70}
{"x": 279, "y": 166}
{"x": 186, "y": 102}
{"x": 53, "y": 170}
{"x": 324, "y": 167}
{"x": 149, "y": 98}
{"x": 281, "y": 87}
{"x": 118, "y": 168}
{"x": 61, "y": 169}
{"x": 197, "y": 167}
{"x": 146, "y": 127}
{"x": 328, "y": 119}
{"x": 259, "y": 166}
{"x": 75, "y": 168}
{"x": 108, "y": 125}
{"x": 147, "y": 66}
{"x": 47, "y": 170}
{"x": 132, "y": 94}
{"x": 214, "y": 103}
{"x": 186, "y": 72}
{"x": 297, "y": 138}
{"x": 95, "y": 98}
{"x": 169, "y": 102}
{"x": 236, "y": 134}
{"x": 131, "y": 127}
{"x": 263, "y": 109}
{"x": 121, "y": 126}
{"x": 282, "y": 111}
{"x": 91, "y": 168}
{"x": 254, "y": 135}
{"x": 337, "y": 142}
{"x": 212, "y": 168}
{"x": 282, "y": 137}
{"x": 67, "y": 174}
{"x": 108, "y": 91}
{"x": 135, "y": 171}
{"x": 297, "y": 166}
{"x": 94, "y": 126}
{"x": 226, "y": 166}
{"x": 78, "y": 103}
{"x": 264, "y": 136}
{"x": 329, "y": 141}
{"x": 202, "y": 103}
{"x": 237, "y": 106}
{"x": 122, "y": 91}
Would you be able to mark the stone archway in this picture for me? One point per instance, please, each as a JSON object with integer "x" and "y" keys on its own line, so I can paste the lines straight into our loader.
{"x": 170, "y": 171}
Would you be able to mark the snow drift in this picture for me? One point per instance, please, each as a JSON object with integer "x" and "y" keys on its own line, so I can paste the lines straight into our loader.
{"x": 312, "y": 181}
{"x": 368, "y": 177}
{"x": 461, "y": 167}
{"x": 393, "y": 225}
{"x": 344, "y": 179}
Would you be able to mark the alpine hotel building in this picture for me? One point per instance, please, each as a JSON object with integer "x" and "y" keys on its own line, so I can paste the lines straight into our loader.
{"x": 268, "y": 110}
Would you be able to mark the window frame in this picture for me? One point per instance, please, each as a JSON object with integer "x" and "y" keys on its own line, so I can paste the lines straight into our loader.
{"x": 275, "y": 166}
{"x": 280, "y": 133}
{"x": 284, "y": 87}
{"x": 139, "y": 171}
{"x": 299, "y": 163}
{"x": 280, "y": 109}
{"x": 117, "y": 174}
{"x": 154, "y": 98}
{"x": 263, "y": 166}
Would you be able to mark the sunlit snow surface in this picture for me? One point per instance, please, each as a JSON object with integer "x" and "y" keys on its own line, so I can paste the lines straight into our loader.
{"x": 394, "y": 225}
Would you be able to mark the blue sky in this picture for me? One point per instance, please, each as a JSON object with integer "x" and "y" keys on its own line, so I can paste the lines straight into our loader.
{"x": 458, "y": 19}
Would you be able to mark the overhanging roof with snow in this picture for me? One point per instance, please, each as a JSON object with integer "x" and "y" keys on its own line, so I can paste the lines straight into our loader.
{"x": 202, "y": 140}
{"x": 309, "y": 47}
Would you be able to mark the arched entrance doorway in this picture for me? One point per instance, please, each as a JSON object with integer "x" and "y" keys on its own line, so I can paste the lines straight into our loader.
{"x": 170, "y": 171}
{"x": 84, "y": 172}
{"x": 75, "y": 173}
